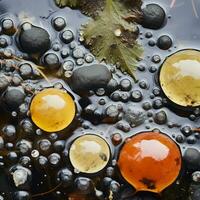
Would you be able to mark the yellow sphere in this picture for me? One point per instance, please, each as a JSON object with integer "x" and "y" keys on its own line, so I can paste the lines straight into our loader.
{"x": 52, "y": 109}
{"x": 89, "y": 153}
{"x": 180, "y": 78}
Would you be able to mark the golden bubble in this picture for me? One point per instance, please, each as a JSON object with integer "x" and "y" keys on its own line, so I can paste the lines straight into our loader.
{"x": 52, "y": 109}
{"x": 89, "y": 153}
{"x": 180, "y": 78}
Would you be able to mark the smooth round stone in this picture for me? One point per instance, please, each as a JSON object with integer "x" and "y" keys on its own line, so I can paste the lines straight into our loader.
{"x": 13, "y": 97}
{"x": 89, "y": 154}
{"x": 59, "y": 23}
{"x": 52, "y": 61}
{"x": 34, "y": 39}
{"x": 164, "y": 42}
{"x": 90, "y": 77}
{"x": 67, "y": 36}
{"x": 52, "y": 109}
{"x": 8, "y": 26}
{"x": 153, "y": 16}
{"x": 191, "y": 158}
{"x": 180, "y": 78}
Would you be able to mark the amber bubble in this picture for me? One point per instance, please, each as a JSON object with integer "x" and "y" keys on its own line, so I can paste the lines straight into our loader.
{"x": 150, "y": 161}
{"x": 52, "y": 109}
{"x": 180, "y": 78}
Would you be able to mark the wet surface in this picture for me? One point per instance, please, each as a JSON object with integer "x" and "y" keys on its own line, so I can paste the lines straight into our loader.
{"x": 115, "y": 112}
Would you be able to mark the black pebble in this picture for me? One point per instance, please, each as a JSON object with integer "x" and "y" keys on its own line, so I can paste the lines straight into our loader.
{"x": 59, "y": 23}
{"x": 22, "y": 195}
{"x": 153, "y": 16}
{"x": 34, "y": 39}
{"x": 192, "y": 158}
{"x": 136, "y": 96}
{"x": 52, "y": 61}
{"x": 4, "y": 82}
{"x": 65, "y": 176}
{"x": 67, "y": 36}
{"x": 84, "y": 185}
{"x": 186, "y": 130}
{"x": 9, "y": 132}
{"x": 195, "y": 194}
{"x": 13, "y": 98}
{"x": 160, "y": 117}
{"x": 164, "y": 42}
{"x": 90, "y": 77}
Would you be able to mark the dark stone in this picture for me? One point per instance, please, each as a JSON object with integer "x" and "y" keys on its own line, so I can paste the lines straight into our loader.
{"x": 22, "y": 195}
{"x": 160, "y": 117}
{"x": 134, "y": 117}
{"x": 52, "y": 61}
{"x": 164, "y": 42}
{"x": 13, "y": 97}
{"x": 84, "y": 185}
{"x": 191, "y": 158}
{"x": 34, "y": 39}
{"x": 195, "y": 194}
{"x": 90, "y": 78}
{"x": 153, "y": 16}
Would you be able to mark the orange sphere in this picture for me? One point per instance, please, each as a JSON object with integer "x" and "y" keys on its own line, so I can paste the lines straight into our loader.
{"x": 150, "y": 161}
{"x": 52, "y": 109}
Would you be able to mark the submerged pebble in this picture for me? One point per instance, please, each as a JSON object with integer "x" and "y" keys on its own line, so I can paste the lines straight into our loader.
{"x": 90, "y": 77}
{"x": 34, "y": 39}
{"x": 153, "y": 16}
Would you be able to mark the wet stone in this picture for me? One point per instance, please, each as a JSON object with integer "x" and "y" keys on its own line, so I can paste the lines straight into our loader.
{"x": 153, "y": 16}
{"x": 136, "y": 96}
{"x": 125, "y": 97}
{"x": 157, "y": 104}
{"x": 151, "y": 43}
{"x": 13, "y": 97}
{"x": 52, "y": 61}
{"x": 8, "y": 26}
{"x": 25, "y": 70}
{"x": 112, "y": 113}
{"x": 59, "y": 23}
{"x": 4, "y": 82}
{"x": 3, "y": 42}
{"x": 84, "y": 185}
{"x": 90, "y": 77}
{"x": 186, "y": 130}
{"x": 65, "y": 176}
{"x": 67, "y": 36}
{"x": 34, "y": 39}
{"x": 9, "y": 132}
{"x": 191, "y": 140}
{"x": 116, "y": 139}
{"x": 143, "y": 84}
{"x": 160, "y": 117}
{"x": 196, "y": 176}
{"x": 156, "y": 59}
{"x": 134, "y": 117}
{"x": 112, "y": 85}
{"x": 146, "y": 106}
{"x": 195, "y": 194}
{"x": 148, "y": 34}
{"x": 22, "y": 195}
{"x": 164, "y": 42}
{"x": 125, "y": 85}
{"x": 78, "y": 53}
{"x": 180, "y": 138}
{"x": 191, "y": 158}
